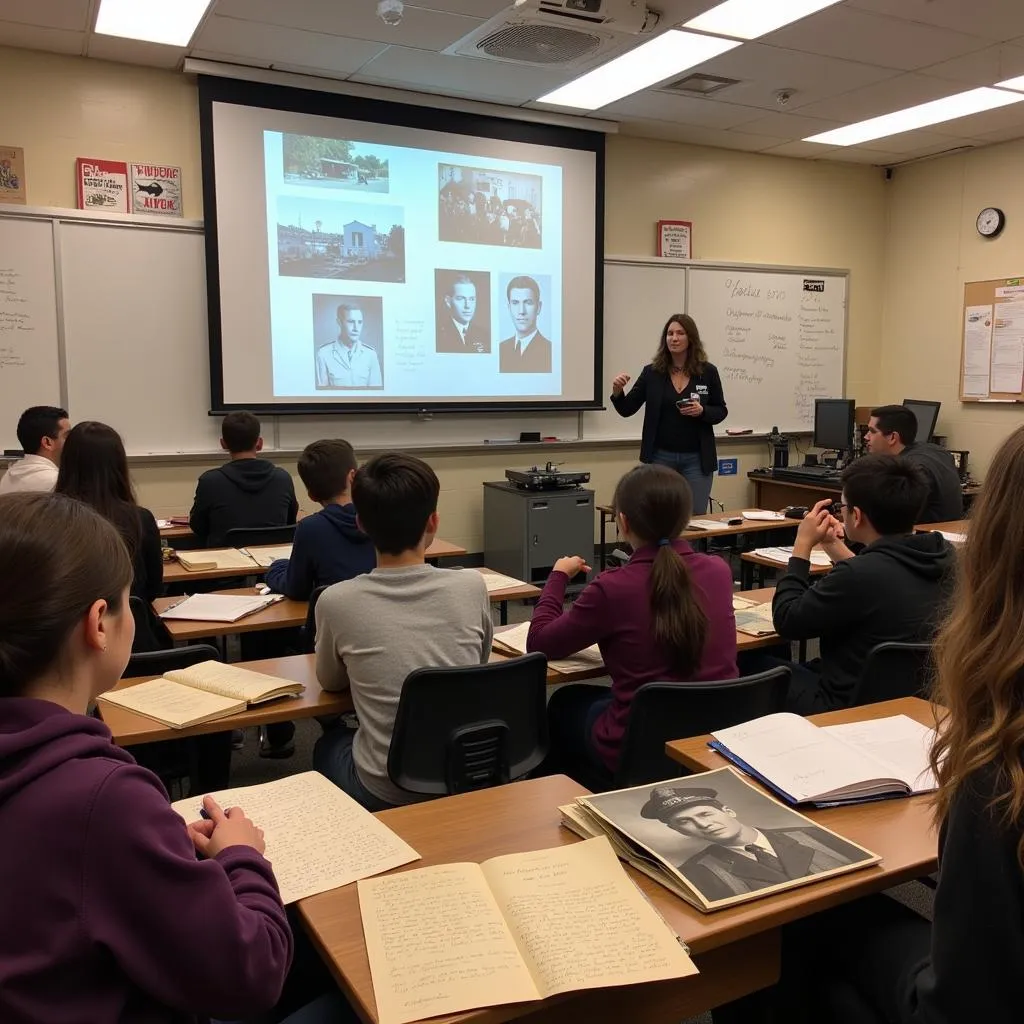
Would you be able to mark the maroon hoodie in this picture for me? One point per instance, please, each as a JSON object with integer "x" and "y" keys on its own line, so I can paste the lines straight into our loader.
{"x": 106, "y": 915}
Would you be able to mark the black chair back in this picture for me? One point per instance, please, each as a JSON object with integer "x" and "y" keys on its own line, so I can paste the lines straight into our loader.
{"x": 459, "y": 729}
{"x": 156, "y": 663}
{"x": 894, "y": 670}
{"x": 246, "y": 537}
{"x": 309, "y": 629}
{"x": 150, "y": 633}
{"x": 660, "y": 712}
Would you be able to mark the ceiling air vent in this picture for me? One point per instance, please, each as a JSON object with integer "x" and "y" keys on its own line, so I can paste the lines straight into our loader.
{"x": 699, "y": 85}
{"x": 539, "y": 44}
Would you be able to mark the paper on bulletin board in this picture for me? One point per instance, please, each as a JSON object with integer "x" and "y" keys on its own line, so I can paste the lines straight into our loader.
{"x": 977, "y": 351}
{"x": 12, "y": 174}
{"x": 1008, "y": 348}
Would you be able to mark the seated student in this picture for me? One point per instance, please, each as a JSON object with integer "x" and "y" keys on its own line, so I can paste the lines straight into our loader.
{"x": 94, "y": 469}
{"x": 329, "y": 547}
{"x": 893, "y": 590}
{"x": 372, "y": 631}
{"x": 664, "y": 616}
{"x": 246, "y": 492}
{"x": 107, "y": 916}
{"x": 41, "y": 433}
{"x": 892, "y": 430}
{"x": 876, "y": 961}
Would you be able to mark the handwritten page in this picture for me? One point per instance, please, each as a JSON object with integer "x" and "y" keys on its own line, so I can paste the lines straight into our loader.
{"x": 977, "y": 350}
{"x": 514, "y": 638}
{"x": 580, "y": 922}
{"x": 232, "y": 681}
{"x": 898, "y": 741}
{"x": 267, "y": 555}
{"x": 498, "y": 581}
{"x": 437, "y": 943}
{"x": 317, "y": 837}
{"x": 756, "y": 620}
{"x": 172, "y": 704}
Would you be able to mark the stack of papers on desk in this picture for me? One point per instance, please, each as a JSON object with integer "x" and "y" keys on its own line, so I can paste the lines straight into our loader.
{"x": 784, "y": 554}
{"x": 708, "y": 524}
{"x": 219, "y": 607}
{"x": 216, "y": 558}
{"x": 513, "y": 640}
{"x": 759, "y": 515}
{"x": 755, "y": 620}
{"x": 266, "y": 556}
{"x": 497, "y": 581}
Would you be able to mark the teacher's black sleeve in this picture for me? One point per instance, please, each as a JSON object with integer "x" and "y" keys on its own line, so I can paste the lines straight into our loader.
{"x": 715, "y": 409}
{"x": 630, "y": 401}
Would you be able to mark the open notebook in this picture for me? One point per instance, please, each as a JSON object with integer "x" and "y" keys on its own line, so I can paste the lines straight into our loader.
{"x": 755, "y": 619}
{"x": 707, "y": 524}
{"x": 495, "y": 581}
{"x": 219, "y": 607}
{"x": 513, "y": 640}
{"x": 317, "y": 837}
{"x": 782, "y": 555}
{"x": 201, "y": 693}
{"x": 268, "y": 554}
{"x": 517, "y": 928}
{"x": 216, "y": 558}
{"x": 835, "y": 764}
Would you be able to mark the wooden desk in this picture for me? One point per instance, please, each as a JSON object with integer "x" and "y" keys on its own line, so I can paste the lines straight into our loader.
{"x": 749, "y": 560}
{"x": 746, "y": 642}
{"x": 173, "y": 533}
{"x": 777, "y": 494}
{"x": 129, "y": 728}
{"x": 514, "y": 819}
{"x": 954, "y": 526}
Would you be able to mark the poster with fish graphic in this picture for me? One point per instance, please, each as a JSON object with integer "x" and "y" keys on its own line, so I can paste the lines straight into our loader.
{"x": 156, "y": 188}
{"x": 102, "y": 184}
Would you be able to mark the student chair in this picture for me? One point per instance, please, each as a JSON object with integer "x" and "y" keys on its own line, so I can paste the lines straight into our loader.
{"x": 894, "y": 670}
{"x": 246, "y": 537}
{"x": 205, "y": 761}
{"x": 660, "y": 712}
{"x": 460, "y": 729}
{"x": 150, "y": 634}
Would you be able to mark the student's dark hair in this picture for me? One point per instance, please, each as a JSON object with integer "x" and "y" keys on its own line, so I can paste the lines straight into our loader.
{"x": 522, "y": 281}
{"x": 395, "y": 494}
{"x": 696, "y": 357}
{"x": 57, "y": 557}
{"x": 324, "y": 467}
{"x": 890, "y": 492}
{"x": 36, "y": 423}
{"x": 657, "y": 504}
{"x": 94, "y": 469}
{"x": 241, "y": 431}
{"x": 897, "y": 419}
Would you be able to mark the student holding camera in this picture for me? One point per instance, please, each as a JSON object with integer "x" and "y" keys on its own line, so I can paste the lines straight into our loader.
{"x": 683, "y": 399}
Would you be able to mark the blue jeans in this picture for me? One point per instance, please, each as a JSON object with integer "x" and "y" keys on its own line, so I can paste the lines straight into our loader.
{"x": 332, "y": 756}
{"x": 687, "y": 465}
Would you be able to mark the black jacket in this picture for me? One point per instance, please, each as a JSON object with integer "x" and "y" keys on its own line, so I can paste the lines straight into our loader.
{"x": 893, "y": 590}
{"x": 945, "y": 494}
{"x": 649, "y": 390}
{"x": 248, "y": 493}
{"x": 148, "y": 581}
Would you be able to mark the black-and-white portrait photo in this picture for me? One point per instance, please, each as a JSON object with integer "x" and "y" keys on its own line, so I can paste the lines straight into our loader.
{"x": 485, "y": 206}
{"x": 462, "y": 306}
{"x": 347, "y": 336}
{"x": 525, "y": 348}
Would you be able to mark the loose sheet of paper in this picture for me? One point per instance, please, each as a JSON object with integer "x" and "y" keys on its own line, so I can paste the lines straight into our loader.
{"x": 515, "y": 639}
{"x": 318, "y": 837}
{"x": 437, "y": 943}
{"x": 579, "y": 920}
{"x": 708, "y": 524}
{"x": 759, "y": 515}
{"x": 783, "y": 554}
{"x": 218, "y": 607}
{"x": 267, "y": 555}
{"x": 977, "y": 350}
{"x": 1008, "y": 347}
{"x": 172, "y": 703}
{"x": 497, "y": 581}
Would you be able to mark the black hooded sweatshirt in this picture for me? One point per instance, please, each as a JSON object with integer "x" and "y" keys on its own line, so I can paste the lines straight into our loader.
{"x": 894, "y": 590}
{"x": 243, "y": 493}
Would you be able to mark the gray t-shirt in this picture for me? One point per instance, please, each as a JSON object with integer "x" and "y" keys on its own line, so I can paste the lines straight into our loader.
{"x": 372, "y": 631}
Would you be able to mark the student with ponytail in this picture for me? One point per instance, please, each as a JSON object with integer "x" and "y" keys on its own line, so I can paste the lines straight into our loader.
{"x": 664, "y": 616}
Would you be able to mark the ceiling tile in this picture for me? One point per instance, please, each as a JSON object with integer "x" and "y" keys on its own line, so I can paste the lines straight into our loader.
{"x": 881, "y": 98}
{"x": 133, "y": 51}
{"x": 912, "y": 142}
{"x": 985, "y": 67}
{"x": 874, "y": 39}
{"x": 1002, "y": 119}
{"x": 71, "y": 15}
{"x": 765, "y": 70}
{"x": 993, "y": 19}
{"x": 665, "y": 106}
{"x": 31, "y": 37}
{"x": 273, "y": 44}
{"x": 805, "y": 150}
{"x": 472, "y": 8}
{"x": 788, "y": 126}
{"x": 697, "y": 136}
{"x": 459, "y": 76}
{"x": 427, "y": 30}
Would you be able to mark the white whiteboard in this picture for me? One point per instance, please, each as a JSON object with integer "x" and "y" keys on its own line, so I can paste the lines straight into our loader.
{"x": 29, "y": 342}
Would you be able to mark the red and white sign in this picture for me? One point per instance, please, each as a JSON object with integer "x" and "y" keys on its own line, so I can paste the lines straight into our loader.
{"x": 156, "y": 189}
{"x": 102, "y": 184}
{"x": 675, "y": 239}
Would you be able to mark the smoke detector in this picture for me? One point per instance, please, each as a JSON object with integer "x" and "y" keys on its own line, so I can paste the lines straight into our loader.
{"x": 390, "y": 11}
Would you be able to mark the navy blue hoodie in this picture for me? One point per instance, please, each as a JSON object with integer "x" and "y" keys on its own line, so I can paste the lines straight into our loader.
{"x": 328, "y": 548}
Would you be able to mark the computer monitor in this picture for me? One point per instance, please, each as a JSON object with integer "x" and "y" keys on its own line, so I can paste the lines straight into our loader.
{"x": 833, "y": 423}
{"x": 926, "y": 413}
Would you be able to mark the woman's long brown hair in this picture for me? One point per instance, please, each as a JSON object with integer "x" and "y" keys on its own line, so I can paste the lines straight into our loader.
{"x": 657, "y": 504}
{"x": 979, "y": 653}
{"x": 696, "y": 357}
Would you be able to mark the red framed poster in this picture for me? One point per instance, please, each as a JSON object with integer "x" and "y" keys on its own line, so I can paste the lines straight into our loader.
{"x": 675, "y": 239}
{"x": 102, "y": 184}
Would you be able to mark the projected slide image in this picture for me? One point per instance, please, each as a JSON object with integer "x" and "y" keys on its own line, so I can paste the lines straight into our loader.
{"x": 334, "y": 238}
{"x": 348, "y": 333}
{"x": 525, "y": 349}
{"x": 335, "y": 164}
{"x": 463, "y": 311}
{"x": 489, "y": 207}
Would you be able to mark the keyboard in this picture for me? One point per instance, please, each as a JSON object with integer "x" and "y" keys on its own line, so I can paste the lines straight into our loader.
{"x": 807, "y": 474}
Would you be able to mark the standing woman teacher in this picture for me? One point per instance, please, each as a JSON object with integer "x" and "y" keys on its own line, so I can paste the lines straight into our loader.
{"x": 682, "y": 395}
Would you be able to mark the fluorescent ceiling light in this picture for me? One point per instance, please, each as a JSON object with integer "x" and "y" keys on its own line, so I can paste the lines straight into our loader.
{"x": 748, "y": 19}
{"x": 172, "y": 24}
{"x": 1013, "y": 83}
{"x": 947, "y": 109}
{"x": 663, "y": 57}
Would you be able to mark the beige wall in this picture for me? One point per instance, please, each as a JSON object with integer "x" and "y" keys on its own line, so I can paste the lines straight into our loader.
{"x": 744, "y": 207}
{"x": 932, "y": 249}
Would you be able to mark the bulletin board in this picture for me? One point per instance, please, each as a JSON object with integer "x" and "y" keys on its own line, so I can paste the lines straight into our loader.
{"x": 992, "y": 343}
